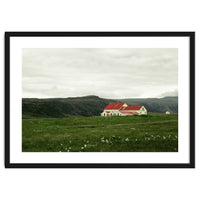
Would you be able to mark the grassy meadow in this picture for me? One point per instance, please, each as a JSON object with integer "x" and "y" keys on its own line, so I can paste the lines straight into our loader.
{"x": 151, "y": 133}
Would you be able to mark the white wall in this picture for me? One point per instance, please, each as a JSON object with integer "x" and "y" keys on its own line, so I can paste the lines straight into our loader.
{"x": 90, "y": 15}
{"x": 110, "y": 111}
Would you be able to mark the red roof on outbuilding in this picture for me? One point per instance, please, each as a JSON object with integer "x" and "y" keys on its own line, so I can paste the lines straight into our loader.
{"x": 114, "y": 106}
{"x": 131, "y": 108}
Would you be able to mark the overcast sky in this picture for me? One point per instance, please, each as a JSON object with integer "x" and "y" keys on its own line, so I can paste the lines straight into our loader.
{"x": 105, "y": 72}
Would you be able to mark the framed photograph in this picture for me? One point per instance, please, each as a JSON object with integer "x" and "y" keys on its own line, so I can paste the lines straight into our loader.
{"x": 99, "y": 100}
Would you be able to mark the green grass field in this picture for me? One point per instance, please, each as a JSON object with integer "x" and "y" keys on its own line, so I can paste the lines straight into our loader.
{"x": 151, "y": 133}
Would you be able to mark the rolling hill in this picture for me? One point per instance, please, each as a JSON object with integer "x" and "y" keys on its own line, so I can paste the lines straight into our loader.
{"x": 89, "y": 106}
{"x": 157, "y": 105}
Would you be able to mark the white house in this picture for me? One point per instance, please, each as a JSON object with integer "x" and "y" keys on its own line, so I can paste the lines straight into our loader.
{"x": 167, "y": 113}
{"x": 112, "y": 109}
{"x": 122, "y": 109}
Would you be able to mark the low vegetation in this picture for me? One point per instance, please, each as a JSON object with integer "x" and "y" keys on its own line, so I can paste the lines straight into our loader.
{"x": 151, "y": 133}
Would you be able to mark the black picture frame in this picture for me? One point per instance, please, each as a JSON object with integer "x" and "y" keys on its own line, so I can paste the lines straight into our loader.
{"x": 190, "y": 35}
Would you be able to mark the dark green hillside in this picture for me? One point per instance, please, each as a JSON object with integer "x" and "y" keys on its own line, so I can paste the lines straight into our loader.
{"x": 88, "y": 106}
{"x": 158, "y": 105}
{"x": 63, "y": 107}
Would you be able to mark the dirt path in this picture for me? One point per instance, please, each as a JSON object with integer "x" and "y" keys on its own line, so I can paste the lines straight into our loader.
{"x": 140, "y": 123}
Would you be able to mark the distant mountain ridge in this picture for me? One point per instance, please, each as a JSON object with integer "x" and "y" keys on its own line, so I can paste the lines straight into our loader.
{"x": 157, "y": 105}
{"x": 89, "y": 106}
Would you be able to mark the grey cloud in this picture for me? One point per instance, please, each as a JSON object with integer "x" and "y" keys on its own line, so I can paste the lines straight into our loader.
{"x": 169, "y": 93}
{"x": 109, "y": 73}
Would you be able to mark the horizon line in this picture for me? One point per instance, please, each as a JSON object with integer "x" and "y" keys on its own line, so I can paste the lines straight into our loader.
{"x": 97, "y": 96}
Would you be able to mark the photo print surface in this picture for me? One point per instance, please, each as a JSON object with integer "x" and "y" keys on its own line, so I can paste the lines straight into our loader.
{"x": 100, "y": 100}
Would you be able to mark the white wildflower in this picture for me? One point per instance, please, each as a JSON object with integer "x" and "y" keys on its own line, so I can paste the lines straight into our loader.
{"x": 126, "y": 139}
{"x": 85, "y": 145}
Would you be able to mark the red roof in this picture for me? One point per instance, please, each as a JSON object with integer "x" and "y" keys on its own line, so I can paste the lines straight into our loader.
{"x": 131, "y": 108}
{"x": 130, "y": 113}
{"x": 114, "y": 106}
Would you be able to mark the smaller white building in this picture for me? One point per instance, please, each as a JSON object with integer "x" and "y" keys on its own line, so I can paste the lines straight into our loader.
{"x": 167, "y": 113}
